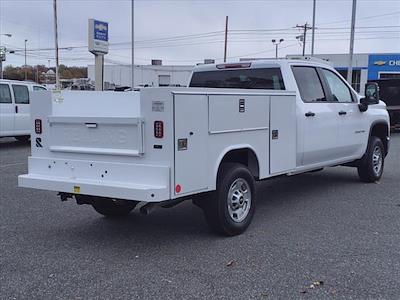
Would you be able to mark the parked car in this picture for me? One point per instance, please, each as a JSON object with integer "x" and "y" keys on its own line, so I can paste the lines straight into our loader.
{"x": 15, "y": 108}
{"x": 236, "y": 124}
{"x": 389, "y": 91}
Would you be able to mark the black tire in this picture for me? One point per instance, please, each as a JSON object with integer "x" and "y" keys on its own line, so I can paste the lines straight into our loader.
{"x": 235, "y": 182}
{"x": 113, "y": 208}
{"x": 23, "y": 138}
{"x": 371, "y": 165}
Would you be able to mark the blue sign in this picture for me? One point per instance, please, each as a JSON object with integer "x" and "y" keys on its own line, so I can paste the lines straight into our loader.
{"x": 383, "y": 63}
{"x": 100, "y": 31}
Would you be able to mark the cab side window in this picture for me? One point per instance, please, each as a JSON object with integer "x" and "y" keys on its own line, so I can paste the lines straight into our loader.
{"x": 21, "y": 94}
{"x": 5, "y": 94}
{"x": 340, "y": 91}
{"x": 309, "y": 84}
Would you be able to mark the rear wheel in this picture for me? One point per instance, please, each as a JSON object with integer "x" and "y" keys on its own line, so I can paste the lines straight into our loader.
{"x": 231, "y": 209}
{"x": 23, "y": 138}
{"x": 371, "y": 165}
{"x": 113, "y": 207}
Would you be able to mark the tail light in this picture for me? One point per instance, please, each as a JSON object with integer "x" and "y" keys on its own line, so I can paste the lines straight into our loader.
{"x": 158, "y": 129}
{"x": 38, "y": 126}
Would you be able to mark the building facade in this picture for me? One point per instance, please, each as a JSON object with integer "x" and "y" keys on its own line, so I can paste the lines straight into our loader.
{"x": 365, "y": 66}
{"x": 145, "y": 75}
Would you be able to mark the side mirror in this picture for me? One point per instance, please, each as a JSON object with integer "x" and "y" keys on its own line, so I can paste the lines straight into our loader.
{"x": 371, "y": 96}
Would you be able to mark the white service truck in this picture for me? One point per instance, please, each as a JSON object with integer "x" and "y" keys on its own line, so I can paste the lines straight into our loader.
{"x": 235, "y": 124}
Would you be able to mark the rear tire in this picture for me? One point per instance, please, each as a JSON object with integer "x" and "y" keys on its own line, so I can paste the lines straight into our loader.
{"x": 371, "y": 165}
{"x": 113, "y": 208}
{"x": 23, "y": 138}
{"x": 231, "y": 209}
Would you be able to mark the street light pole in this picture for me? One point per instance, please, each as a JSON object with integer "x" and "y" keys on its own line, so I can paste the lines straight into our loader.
{"x": 276, "y": 43}
{"x": 133, "y": 43}
{"x": 56, "y": 43}
{"x": 25, "y": 66}
{"x": 353, "y": 24}
{"x": 313, "y": 29}
{"x": 226, "y": 38}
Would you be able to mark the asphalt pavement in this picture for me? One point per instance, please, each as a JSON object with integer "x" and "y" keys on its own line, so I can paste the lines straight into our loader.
{"x": 314, "y": 236}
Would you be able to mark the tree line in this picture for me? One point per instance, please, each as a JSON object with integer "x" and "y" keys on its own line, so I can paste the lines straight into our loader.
{"x": 37, "y": 73}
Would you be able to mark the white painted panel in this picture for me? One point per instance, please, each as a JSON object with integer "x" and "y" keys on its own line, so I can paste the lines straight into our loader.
{"x": 191, "y": 124}
{"x": 283, "y": 134}
{"x": 225, "y": 114}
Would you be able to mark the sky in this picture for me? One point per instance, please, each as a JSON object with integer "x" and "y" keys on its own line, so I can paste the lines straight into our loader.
{"x": 185, "y": 32}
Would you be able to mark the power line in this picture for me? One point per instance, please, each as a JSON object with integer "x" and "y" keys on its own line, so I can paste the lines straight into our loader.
{"x": 361, "y": 18}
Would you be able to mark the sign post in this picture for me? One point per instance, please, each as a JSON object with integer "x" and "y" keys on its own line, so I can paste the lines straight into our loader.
{"x": 98, "y": 45}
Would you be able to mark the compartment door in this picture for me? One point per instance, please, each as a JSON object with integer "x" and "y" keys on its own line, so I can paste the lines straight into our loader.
{"x": 191, "y": 135}
{"x": 283, "y": 132}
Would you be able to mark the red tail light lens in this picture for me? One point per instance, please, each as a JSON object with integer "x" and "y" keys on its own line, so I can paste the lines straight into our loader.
{"x": 38, "y": 126}
{"x": 158, "y": 129}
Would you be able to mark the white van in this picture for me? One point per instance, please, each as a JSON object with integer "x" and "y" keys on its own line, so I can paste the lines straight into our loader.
{"x": 15, "y": 108}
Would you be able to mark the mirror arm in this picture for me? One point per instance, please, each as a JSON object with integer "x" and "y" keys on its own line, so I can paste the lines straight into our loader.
{"x": 363, "y": 105}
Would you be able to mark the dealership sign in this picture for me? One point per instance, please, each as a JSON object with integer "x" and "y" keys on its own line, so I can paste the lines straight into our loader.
{"x": 389, "y": 63}
{"x": 383, "y": 63}
{"x": 98, "y": 37}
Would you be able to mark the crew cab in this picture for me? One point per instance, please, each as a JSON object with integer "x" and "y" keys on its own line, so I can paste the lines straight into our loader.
{"x": 236, "y": 123}
{"x": 15, "y": 108}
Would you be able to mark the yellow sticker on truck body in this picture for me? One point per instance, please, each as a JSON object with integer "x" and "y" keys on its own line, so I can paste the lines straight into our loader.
{"x": 77, "y": 189}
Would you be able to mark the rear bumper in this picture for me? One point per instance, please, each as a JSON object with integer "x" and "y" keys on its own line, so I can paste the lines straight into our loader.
{"x": 114, "y": 180}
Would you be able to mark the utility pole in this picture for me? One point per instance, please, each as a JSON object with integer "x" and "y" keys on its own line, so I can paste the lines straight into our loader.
{"x": 3, "y": 51}
{"x": 226, "y": 38}
{"x": 305, "y": 27}
{"x": 276, "y": 43}
{"x": 56, "y": 43}
{"x": 25, "y": 66}
{"x": 313, "y": 28}
{"x": 353, "y": 24}
{"x": 133, "y": 48}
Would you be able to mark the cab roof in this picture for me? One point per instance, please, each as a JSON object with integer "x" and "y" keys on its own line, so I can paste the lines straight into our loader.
{"x": 30, "y": 83}
{"x": 265, "y": 63}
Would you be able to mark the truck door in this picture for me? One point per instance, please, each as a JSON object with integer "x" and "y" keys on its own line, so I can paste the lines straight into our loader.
{"x": 22, "y": 109}
{"x": 318, "y": 118}
{"x": 6, "y": 110}
{"x": 351, "y": 122}
{"x": 191, "y": 131}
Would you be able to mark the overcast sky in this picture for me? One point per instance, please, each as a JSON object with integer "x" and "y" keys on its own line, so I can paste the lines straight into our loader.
{"x": 186, "y": 32}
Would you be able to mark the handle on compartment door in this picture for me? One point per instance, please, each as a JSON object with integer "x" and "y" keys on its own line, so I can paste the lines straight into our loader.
{"x": 91, "y": 125}
{"x": 309, "y": 114}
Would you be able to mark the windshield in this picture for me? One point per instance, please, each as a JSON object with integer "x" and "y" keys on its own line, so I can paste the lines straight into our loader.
{"x": 262, "y": 78}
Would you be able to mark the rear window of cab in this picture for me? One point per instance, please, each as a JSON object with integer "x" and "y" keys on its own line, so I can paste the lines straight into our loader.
{"x": 256, "y": 78}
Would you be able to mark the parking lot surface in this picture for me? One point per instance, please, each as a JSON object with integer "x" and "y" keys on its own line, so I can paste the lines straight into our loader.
{"x": 317, "y": 235}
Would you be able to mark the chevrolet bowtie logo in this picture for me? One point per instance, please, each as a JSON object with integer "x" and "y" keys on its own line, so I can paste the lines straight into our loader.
{"x": 380, "y": 63}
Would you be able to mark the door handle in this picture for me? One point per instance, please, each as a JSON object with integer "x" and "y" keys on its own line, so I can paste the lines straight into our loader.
{"x": 91, "y": 125}
{"x": 342, "y": 113}
{"x": 16, "y": 109}
{"x": 309, "y": 114}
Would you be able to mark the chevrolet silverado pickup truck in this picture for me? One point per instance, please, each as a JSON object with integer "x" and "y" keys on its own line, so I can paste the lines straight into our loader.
{"x": 236, "y": 123}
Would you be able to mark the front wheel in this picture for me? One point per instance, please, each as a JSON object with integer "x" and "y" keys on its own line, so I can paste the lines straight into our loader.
{"x": 371, "y": 165}
{"x": 232, "y": 208}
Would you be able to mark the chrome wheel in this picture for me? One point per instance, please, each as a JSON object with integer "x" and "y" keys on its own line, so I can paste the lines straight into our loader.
{"x": 377, "y": 160}
{"x": 239, "y": 200}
